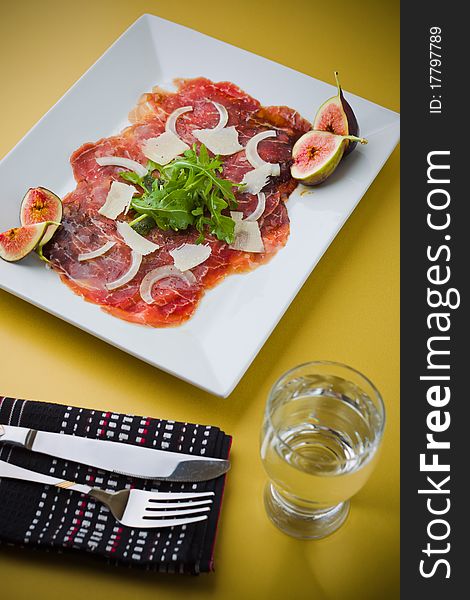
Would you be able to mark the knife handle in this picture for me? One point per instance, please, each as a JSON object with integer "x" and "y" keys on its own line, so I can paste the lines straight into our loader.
{"x": 14, "y": 472}
{"x": 19, "y": 436}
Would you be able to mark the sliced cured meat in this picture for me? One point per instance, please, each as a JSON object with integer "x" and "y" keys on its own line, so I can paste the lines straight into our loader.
{"x": 85, "y": 230}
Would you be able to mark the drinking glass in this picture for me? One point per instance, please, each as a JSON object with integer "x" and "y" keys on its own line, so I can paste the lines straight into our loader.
{"x": 322, "y": 428}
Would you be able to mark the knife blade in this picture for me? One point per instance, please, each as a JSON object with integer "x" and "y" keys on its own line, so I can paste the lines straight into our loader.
{"x": 124, "y": 459}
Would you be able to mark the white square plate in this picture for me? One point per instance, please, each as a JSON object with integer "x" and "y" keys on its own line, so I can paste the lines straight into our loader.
{"x": 152, "y": 52}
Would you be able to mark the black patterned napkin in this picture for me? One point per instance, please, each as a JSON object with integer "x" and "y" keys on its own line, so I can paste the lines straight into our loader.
{"x": 39, "y": 515}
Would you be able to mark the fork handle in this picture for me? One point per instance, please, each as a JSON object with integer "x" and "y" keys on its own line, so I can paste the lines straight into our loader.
{"x": 14, "y": 472}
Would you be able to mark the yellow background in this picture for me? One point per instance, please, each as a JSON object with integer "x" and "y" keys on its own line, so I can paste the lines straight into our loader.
{"x": 347, "y": 311}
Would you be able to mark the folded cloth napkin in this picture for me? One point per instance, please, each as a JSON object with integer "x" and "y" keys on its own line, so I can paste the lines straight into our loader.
{"x": 39, "y": 515}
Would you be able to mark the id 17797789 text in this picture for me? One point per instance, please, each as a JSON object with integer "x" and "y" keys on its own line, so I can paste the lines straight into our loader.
{"x": 435, "y": 69}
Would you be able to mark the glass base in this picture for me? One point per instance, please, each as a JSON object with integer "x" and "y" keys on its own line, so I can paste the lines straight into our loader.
{"x": 303, "y": 524}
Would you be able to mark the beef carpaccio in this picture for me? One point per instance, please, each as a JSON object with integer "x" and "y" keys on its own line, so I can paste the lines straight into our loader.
{"x": 84, "y": 229}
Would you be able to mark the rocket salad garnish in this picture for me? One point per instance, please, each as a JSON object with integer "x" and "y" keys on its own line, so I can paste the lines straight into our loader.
{"x": 186, "y": 192}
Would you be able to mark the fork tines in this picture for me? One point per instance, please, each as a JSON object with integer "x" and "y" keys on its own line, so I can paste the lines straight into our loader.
{"x": 175, "y": 506}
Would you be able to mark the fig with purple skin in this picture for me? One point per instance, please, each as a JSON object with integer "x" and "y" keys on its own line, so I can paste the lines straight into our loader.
{"x": 39, "y": 205}
{"x": 336, "y": 116}
{"x": 16, "y": 243}
{"x": 317, "y": 154}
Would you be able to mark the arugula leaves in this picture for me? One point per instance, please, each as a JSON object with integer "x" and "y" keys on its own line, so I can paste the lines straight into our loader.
{"x": 187, "y": 192}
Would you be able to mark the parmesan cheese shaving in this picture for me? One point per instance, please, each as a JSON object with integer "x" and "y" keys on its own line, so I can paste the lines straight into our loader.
{"x": 118, "y": 200}
{"x": 164, "y": 148}
{"x": 255, "y": 180}
{"x": 134, "y": 240}
{"x": 120, "y": 161}
{"x": 162, "y": 273}
{"x": 95, "y": 253}
{"x": 167, "y": 146}
{"x": 219, "y": 141}
{"x": 188, "y": 256}
{"x": 247, "y": 235}
{"x": 136, "y": 260}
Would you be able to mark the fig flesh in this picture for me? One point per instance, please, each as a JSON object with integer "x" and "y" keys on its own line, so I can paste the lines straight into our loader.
{"x": 39, "y": 205}
{"x": 336, "y": 116}
{"x": 317, "y": 154}
{"x": 16, "y": 243}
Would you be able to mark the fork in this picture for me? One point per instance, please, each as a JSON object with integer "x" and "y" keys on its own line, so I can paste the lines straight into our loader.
{"x": 132, "y": 508}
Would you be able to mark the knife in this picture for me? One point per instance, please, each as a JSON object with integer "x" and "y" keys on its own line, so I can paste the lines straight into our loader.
{"x": 125, "y": 459}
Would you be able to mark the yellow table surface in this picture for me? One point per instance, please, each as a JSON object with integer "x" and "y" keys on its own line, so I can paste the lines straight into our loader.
{"x": 347, "y": 311}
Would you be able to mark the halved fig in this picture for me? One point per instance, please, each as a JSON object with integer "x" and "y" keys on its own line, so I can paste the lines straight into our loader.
{"x": 317, "y": 154}
{"x": 336, "y": 116}
{"x": 39, "y": 205}
{"x": 16, "y": 243}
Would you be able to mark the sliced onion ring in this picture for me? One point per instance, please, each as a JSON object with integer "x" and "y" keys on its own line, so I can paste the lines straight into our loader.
{"x": 136, "y": 259}
{"x": 171, "y": 121}
{"x": 162, "y": 273}
{"x": 259, "y": 210}
{"x": 95, "y": 253}
{"x": 251, "y": 149}
{"x": 120, "y": 161}
{"x": 223, "y": 116}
